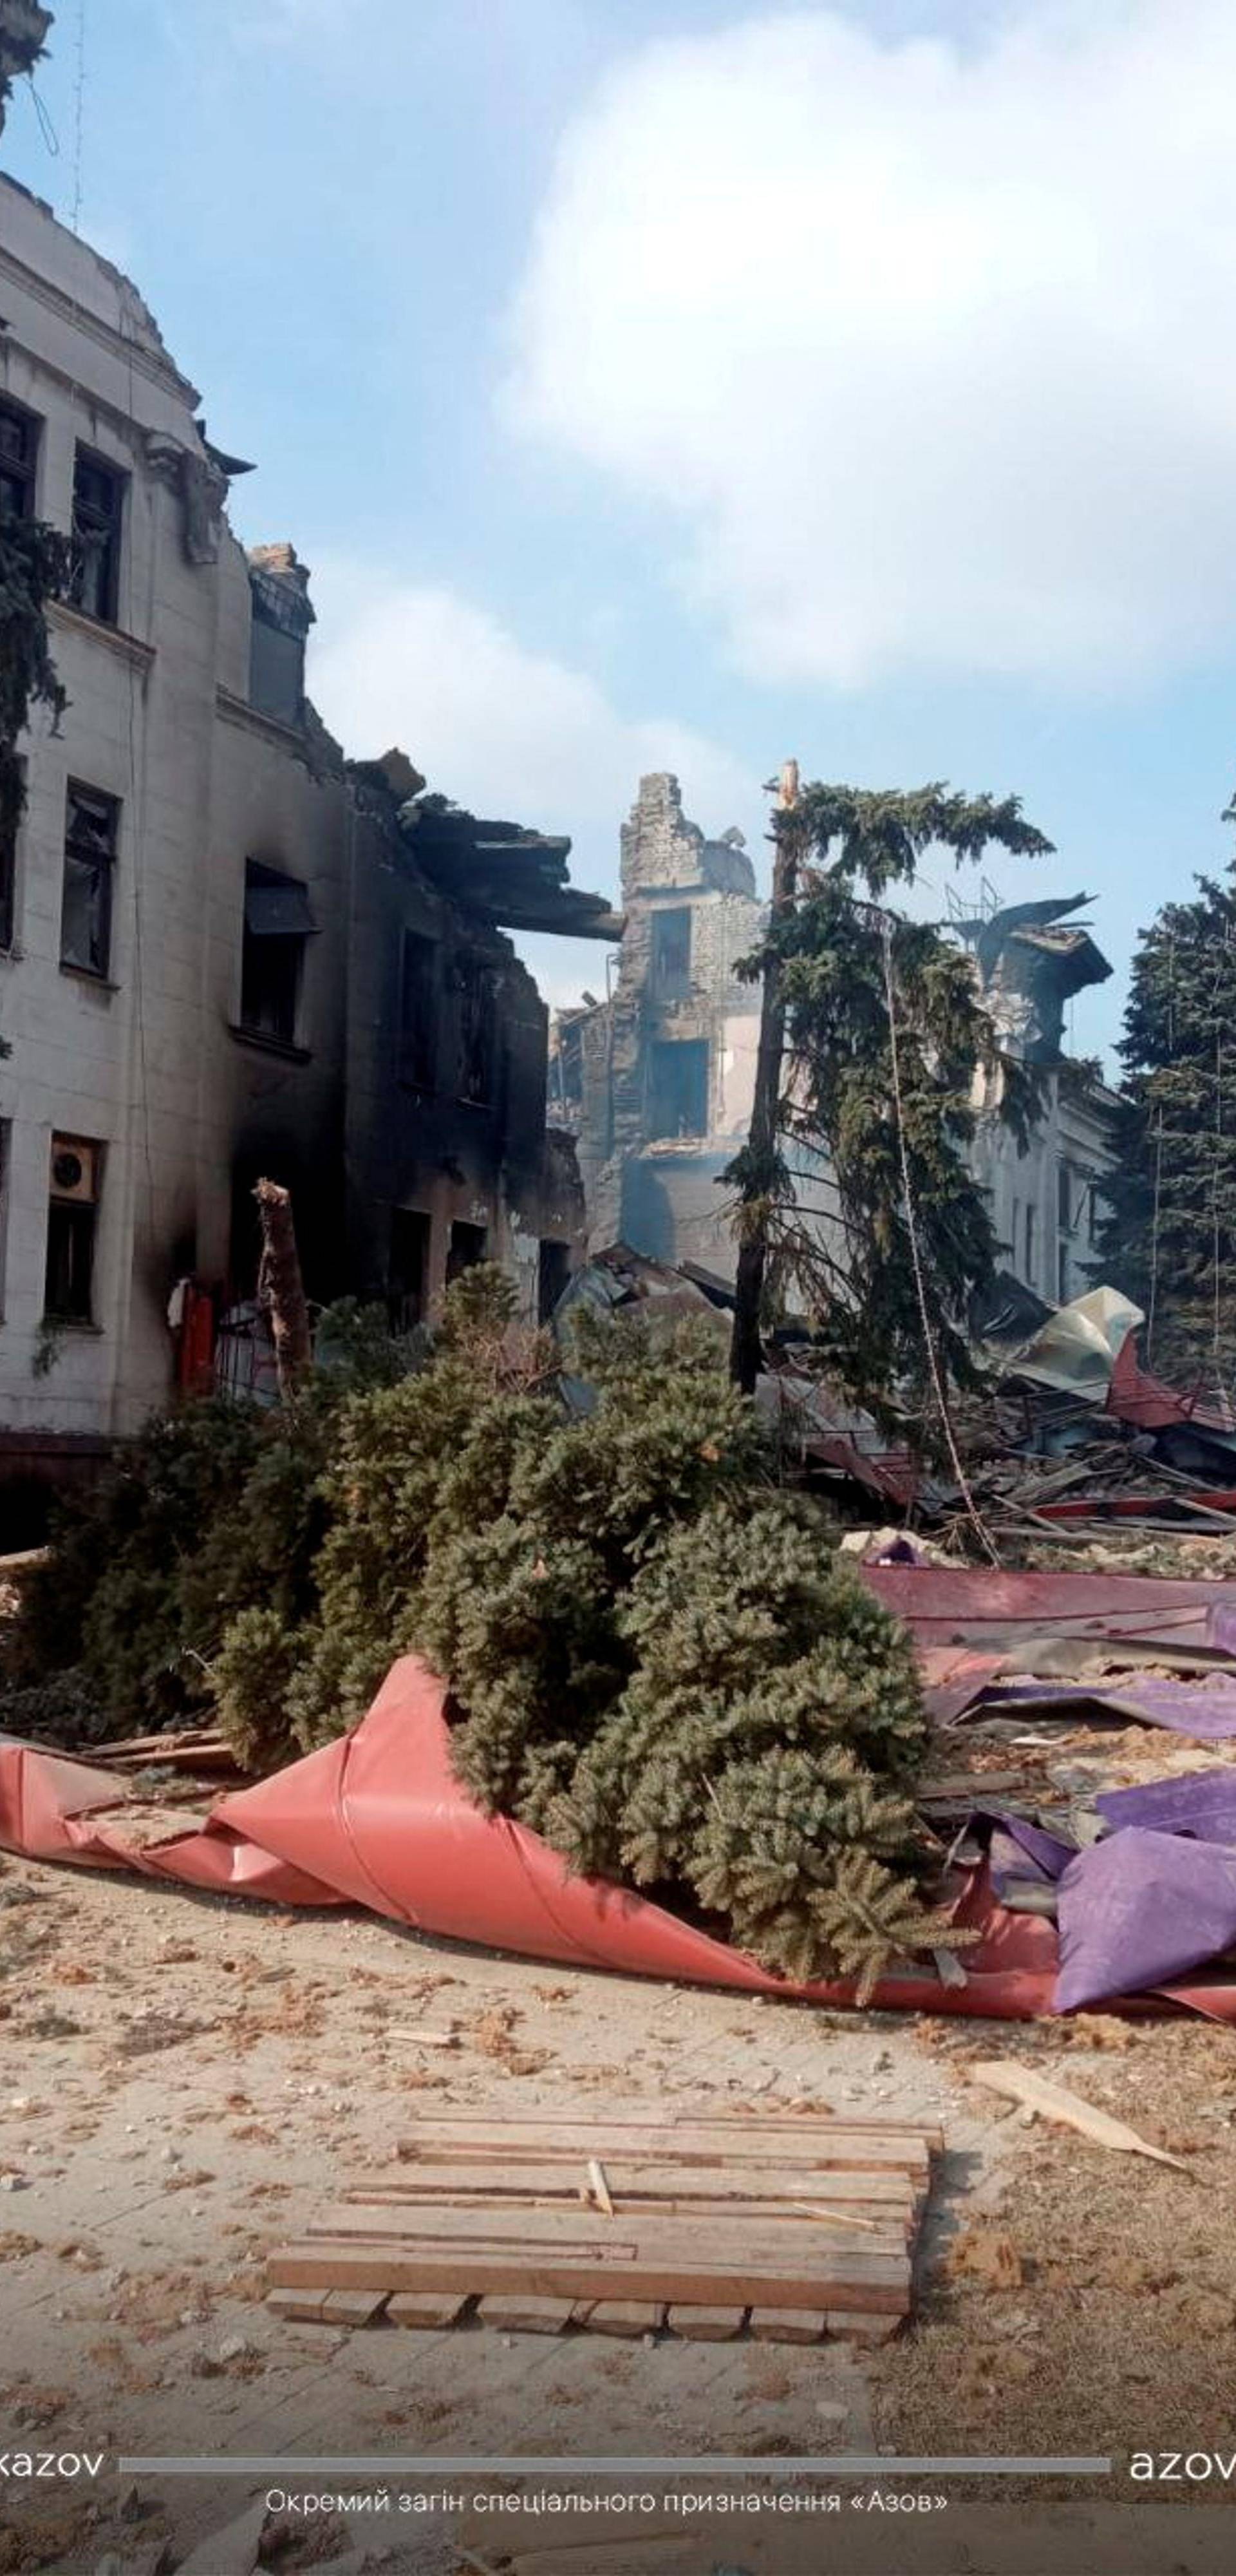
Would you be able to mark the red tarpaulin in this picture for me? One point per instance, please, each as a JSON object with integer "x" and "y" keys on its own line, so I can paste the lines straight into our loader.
{"x": 379, "y": 1819}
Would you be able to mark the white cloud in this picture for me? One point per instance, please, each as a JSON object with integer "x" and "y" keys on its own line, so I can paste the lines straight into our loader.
{"x": 505, "y": 731}
{"x": 931, "y": 347}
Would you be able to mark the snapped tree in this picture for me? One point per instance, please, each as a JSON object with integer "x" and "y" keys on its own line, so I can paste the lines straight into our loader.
{"x": 855, "y": 1195}
{"x": 1168, "y": 1237}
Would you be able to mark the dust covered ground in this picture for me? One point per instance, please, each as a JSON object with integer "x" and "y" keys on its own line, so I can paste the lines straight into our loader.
{"x": 183, "y": 2080}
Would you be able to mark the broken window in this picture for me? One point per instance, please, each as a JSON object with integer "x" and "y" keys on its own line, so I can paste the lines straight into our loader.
{"x": 407, "y": 1272}
{"x": 678, "y": 1087}
{"x": 98, "y": 509}
{"x": 72, "y": 1222}
{"x": 278, "y": 922}
{"x": 477, "y": 1050}
{"x": 467, "y": 1247}
{"x": 91, "y": 820}
{"x": 553, "y": 1269}
{"x": 671, "y": 951}
{"x": 418, "y": 1011}
{"x": 19, "y": 450}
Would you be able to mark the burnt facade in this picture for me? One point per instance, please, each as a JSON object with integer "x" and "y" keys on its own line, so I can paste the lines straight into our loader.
{"x": 657, "y": 1081}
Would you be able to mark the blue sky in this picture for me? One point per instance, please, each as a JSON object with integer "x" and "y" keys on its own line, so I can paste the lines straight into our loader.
{"x": 687, "y": 385}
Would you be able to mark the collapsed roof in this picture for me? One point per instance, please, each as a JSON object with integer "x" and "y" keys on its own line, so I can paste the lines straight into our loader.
{"x": 517, "y": 876}
{"x": 1031, "y": 960}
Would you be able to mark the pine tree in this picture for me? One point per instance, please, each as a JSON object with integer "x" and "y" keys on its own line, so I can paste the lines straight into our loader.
{"x": 1168, "y": 1238}
{"x": 865, "y": 1203}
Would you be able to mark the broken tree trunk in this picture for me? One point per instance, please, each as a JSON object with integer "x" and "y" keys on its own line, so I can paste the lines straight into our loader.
{"x": 746, "y": 1352}
{"x": 281, "y": 1288}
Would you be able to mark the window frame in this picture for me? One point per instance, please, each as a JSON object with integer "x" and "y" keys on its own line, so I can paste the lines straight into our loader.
{"x": 83, "y": 853}
{"x": 73, "y": 1219}
{"x": 23, "y": 470}
{"x": 273, "y": 947}
{"x": 91, "y": 461}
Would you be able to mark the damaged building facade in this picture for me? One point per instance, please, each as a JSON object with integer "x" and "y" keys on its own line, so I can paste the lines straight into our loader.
{"x": 225, "y": 951}
{"x": 657, "y": 1079}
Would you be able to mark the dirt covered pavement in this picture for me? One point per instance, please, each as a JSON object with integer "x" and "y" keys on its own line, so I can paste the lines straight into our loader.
{"x": 185, "y": 2078}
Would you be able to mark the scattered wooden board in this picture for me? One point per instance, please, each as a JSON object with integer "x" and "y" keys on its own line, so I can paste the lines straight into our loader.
{"x": 1055, "y": 2102}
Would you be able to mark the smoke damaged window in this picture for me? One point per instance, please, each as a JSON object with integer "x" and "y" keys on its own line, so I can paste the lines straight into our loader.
{"x": 278, "y": 924}
{"x": 678, "y": 1092}
{"x": 91, "y": 821}
{"x": 418, "y": 1011}
{"x": 98, "y": 511}
{"x": 72, "y": 1224}
{"x": 671, "y": 951}
{"x": 467, "y": 1247}
{"x": 553, "y": 1270}
{"x": 477, "y": 1048}
{"x": 19, "y": 452}
{"x": 407, "y": 1273}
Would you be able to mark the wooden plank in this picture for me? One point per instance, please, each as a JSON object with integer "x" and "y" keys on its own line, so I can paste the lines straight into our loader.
{"x": 664, "y": 2121}
{"x": 824, "y": 2146}
{"x": 353, "y": 2307}
{"x": 625, "y": 2317}
{"x": 299, "y": 2307}
{"x": 796, "y": 2241}
{"x": 706, "y": 2325}
{"x": 426, "y": 2311}
{"x": 528, "y": 2316}
{"x": 757, "y": 2273}
{"x": 636, "y": 2180}
{"x": 788, "y": 2325}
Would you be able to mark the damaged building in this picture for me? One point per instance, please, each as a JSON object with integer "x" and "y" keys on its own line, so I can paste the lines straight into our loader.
{"x": 656, "y": 1080}
{"x": 225, "y": 950}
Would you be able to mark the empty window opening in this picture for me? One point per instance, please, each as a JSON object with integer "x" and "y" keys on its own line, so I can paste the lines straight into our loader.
{"x": 678, "y": 1096}
{"x": 98, "y": 509}
{"x": 467, "y": 1247}
{"x": 1064, "y": 1284}
{"x": 72, "y": 1222}
{"x": 418, "y": 1011}
{"x": 407, "y": 1274}
{"x": 1028, "y": 1247}
{"x": 671, "y": 951}
{"x": 477, "y": 1047}
{"x": 91, "y": 820}
{"x": 278, "y": 922}
{"x": 553, "y": 1270}
{"x": 1064, "y": 1198}
{"x": 19, "y": 451}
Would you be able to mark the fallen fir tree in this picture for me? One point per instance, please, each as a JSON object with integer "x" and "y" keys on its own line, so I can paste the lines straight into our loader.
{"x": 655, "y": 1657}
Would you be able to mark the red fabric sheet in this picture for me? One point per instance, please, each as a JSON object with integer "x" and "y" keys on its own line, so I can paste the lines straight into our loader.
{"x": 378, "y": 1819}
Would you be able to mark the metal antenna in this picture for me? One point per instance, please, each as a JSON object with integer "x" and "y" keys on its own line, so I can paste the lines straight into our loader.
{"x": 79, "y": 101}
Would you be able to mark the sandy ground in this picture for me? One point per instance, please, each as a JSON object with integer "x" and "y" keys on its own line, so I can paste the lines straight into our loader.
{"x": 185, "y": 2078}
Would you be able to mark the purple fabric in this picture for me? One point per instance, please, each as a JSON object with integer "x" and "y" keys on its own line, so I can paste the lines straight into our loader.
{"x": 1201, "y": 1803}
{"x": 1205, "y": 1708}
{"x": 1021, "y": 1850}
{"x": 1139, "y": 1909}
{"x": 1221, "y": 1626}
